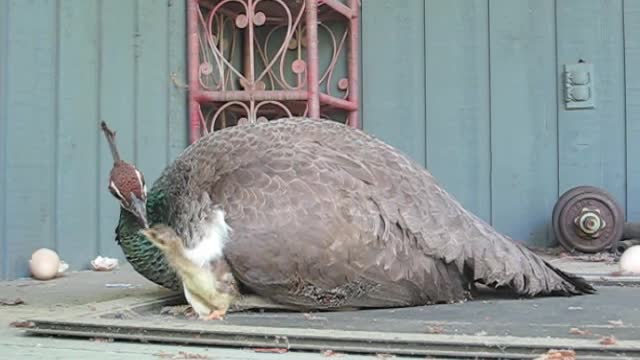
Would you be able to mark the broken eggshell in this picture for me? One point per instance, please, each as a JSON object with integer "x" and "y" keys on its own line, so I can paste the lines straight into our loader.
{"x": 45, "y": 264}
{"x": 62, "y": 267}
{"x": 101, "y": 263}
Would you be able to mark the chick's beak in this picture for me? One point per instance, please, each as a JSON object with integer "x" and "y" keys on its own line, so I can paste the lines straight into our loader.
{"x": 139, "y": 209}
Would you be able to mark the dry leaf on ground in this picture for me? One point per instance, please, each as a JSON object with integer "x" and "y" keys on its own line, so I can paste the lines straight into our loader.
{"x": 558, "y": 355}
{"x": 608, "y": 340}
{"x": 11, "y": 302}
{"x": 576, "y": 331}
{"x": 22, "y": 324}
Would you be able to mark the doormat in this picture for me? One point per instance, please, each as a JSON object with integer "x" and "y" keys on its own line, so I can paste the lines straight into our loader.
{"x": 605, "y": 325}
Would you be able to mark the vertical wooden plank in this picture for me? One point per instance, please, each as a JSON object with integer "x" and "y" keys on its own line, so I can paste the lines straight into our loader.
{"x": 592, "y": 141}
{"x": 523, "y": 117}
{"x": 632, "y": 81}
{"x": 152, "y": 84}
{"x": 30, "y": 182}
{"x": 457, "y": 100}
{"x": 360, "y": 71}
{"x": 4, "y": 44}
{"x": 177, "y": 55}
{"x": 117, "y": 107}
{"x": 76, "y": 131}
{"x": 393, "y": 74}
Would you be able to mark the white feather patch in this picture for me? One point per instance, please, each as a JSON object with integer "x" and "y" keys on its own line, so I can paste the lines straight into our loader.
{"x": 211, "y": 245}
{"x": 114, "y": 188}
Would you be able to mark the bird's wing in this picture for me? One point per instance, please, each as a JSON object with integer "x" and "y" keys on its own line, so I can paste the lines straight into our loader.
{"x": 309, "y": 228}
{"x": 412, "y": 199}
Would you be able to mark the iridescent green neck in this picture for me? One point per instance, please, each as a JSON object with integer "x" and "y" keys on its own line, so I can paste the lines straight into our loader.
{"x": 145, "y": 258}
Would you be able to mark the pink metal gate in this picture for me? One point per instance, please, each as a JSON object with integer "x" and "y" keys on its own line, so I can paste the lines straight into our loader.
{"x": 237, "y": 75}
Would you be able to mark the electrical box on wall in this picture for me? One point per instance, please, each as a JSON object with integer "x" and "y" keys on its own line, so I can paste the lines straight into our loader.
{"x": 579, "y": 89}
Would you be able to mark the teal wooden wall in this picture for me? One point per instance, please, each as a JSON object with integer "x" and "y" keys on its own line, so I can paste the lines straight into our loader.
{"x": 472, "y": 90}
{"x": 469, "y": 88}
{"x": 64, "y": 66}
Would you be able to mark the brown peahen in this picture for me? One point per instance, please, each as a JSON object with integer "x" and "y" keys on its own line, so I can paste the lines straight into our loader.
{"x": 323, "y": 216}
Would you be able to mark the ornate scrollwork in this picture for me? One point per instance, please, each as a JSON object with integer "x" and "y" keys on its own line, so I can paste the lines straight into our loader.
{"x": 258, "y": 47}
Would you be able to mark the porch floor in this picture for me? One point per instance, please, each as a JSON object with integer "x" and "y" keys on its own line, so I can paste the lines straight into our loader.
{"x": 612, "y": 312}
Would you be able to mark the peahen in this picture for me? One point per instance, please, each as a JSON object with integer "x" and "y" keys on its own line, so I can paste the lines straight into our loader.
{"x": 324, "y": 216}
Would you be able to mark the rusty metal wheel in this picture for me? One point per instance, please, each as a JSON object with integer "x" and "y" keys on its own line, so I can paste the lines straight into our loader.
{"x": 587, "y": 219}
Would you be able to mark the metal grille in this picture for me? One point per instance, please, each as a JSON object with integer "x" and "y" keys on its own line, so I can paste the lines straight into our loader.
{"x": 257, "y": 60}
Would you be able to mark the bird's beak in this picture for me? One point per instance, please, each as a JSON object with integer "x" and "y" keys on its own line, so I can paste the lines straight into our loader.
{"x": 139, "y": 209}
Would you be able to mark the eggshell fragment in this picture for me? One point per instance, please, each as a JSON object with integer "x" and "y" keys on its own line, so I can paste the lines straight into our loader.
{"x": 630, "y": 260}
{"x": 62, "y": 267}
{"x": 101, "y": 263}
{"x": 44, "y": 264}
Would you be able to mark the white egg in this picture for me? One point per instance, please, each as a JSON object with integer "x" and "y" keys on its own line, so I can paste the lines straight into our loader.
{"x": 630, "y": 260}
{"x": 44, "y": 264}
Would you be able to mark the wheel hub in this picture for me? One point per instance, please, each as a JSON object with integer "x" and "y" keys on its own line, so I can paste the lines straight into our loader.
{"x": 590, "y": 222}
{"x": 587, "y": 219}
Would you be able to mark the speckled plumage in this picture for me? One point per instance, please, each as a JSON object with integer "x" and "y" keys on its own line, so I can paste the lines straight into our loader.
{"x": 325, "y": 216}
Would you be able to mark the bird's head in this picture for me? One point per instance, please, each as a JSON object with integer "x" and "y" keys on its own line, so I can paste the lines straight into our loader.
{"x": 126, "y": 183}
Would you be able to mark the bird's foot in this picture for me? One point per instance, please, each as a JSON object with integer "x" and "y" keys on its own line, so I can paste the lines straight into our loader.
{"x": 215, "y": 315}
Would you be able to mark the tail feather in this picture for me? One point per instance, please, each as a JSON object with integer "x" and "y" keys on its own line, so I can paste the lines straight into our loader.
{"x": 493, "y": 259}
{"x": 580, "y": 285}
{"x": 510, "y": 264}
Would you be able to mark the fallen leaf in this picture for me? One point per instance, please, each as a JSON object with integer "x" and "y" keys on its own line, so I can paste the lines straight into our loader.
{"x": 554, "y": 354}
{"x": 616, "y": 322}
{"x": 608, "y": 340}
{"x": 271, "y": 350}
{"x": 576, "y": 331}
{"x": 435, "y": 330}
{"x": 22, "y": 324}
{"x": 330, "y": 353}
{"x": 13, "y": 302}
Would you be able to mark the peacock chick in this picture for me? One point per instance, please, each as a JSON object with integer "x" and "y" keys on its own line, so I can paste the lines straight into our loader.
{"x": 209, "y": 287}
